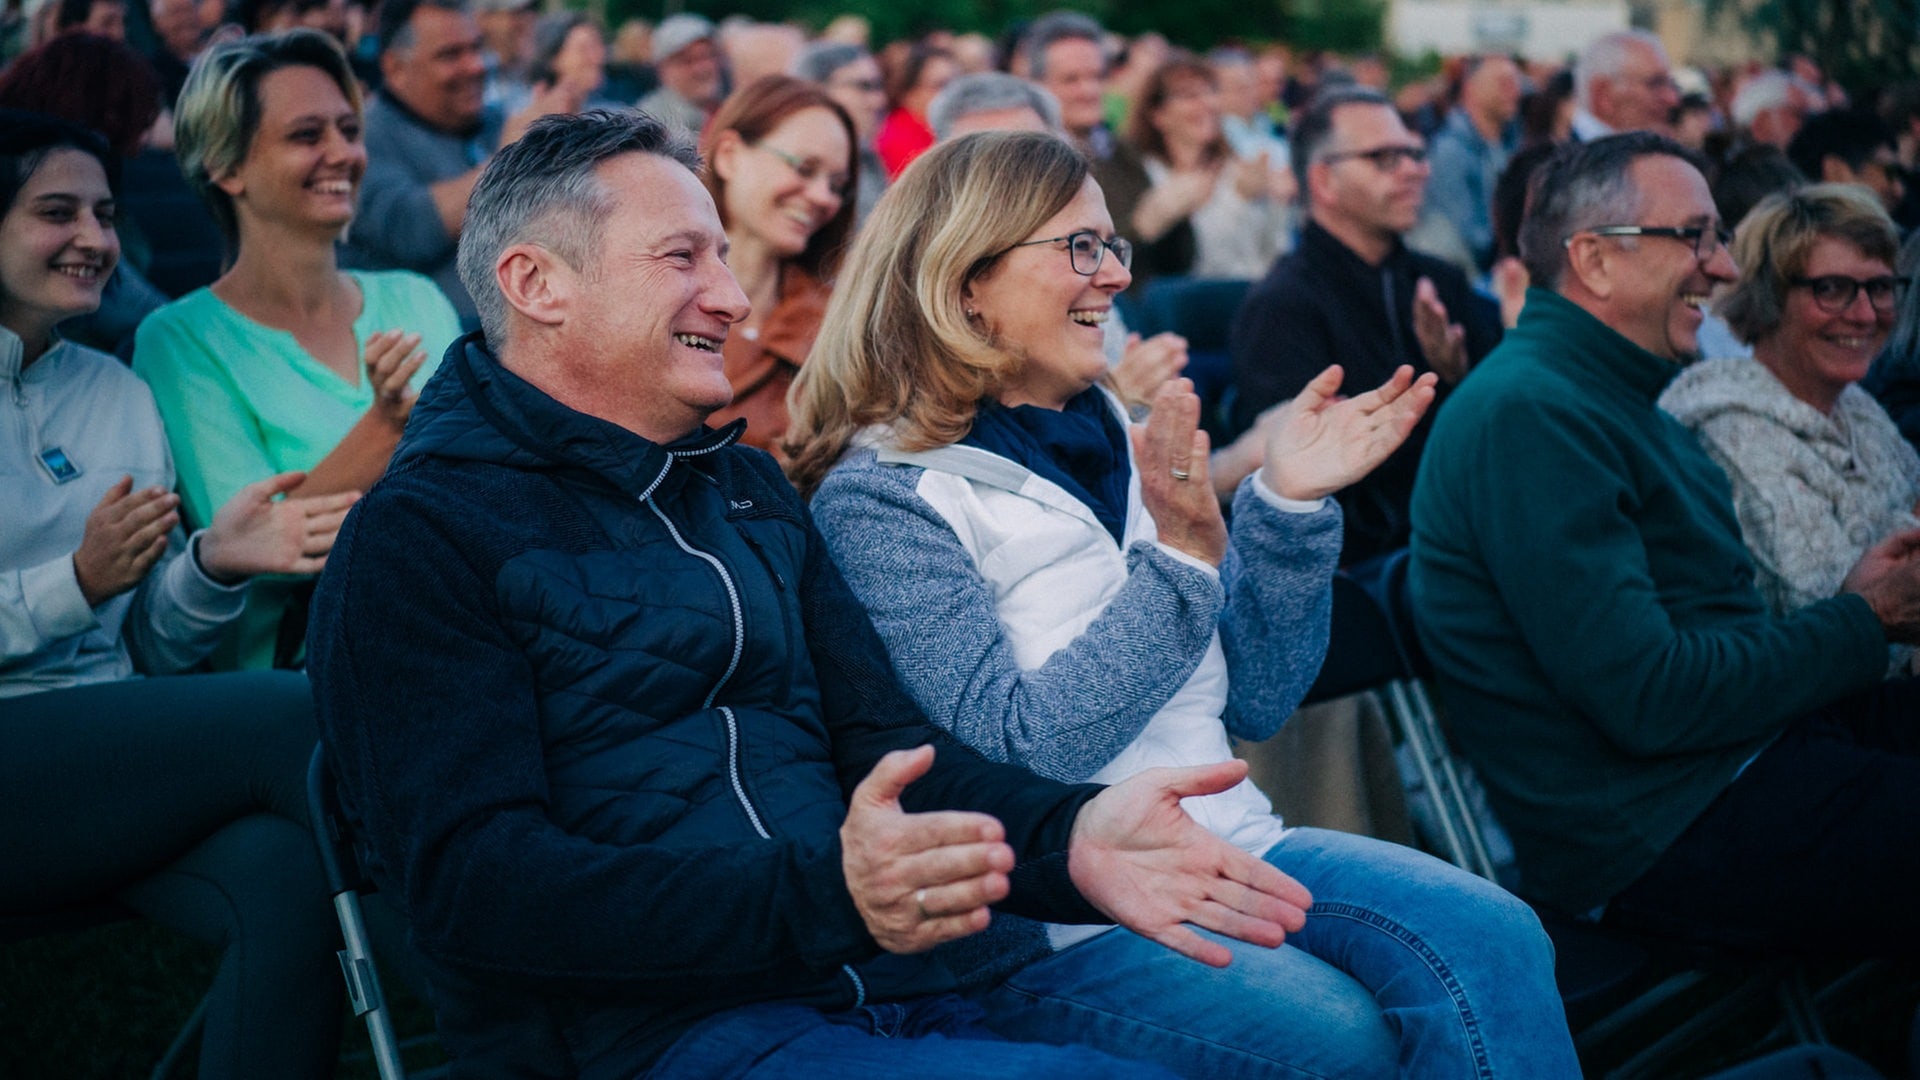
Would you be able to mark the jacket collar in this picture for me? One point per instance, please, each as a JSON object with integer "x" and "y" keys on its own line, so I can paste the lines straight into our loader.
{"x": 1326, "y": 249}
{"x": 475, "y": 409}
{"x": 1567, "y": 336}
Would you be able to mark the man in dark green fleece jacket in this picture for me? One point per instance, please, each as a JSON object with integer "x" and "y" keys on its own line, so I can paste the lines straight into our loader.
{"x": 1655, "y": 742}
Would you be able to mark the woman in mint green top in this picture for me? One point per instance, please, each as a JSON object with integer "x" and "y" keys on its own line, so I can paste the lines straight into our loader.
{"x": 286, "y": 362}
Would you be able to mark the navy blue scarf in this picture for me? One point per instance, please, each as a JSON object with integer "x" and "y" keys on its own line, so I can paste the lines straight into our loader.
{"x": 1082, "y": 448}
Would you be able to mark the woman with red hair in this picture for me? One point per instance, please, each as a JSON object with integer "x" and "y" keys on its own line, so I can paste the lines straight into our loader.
{"x": 781, "y": 167}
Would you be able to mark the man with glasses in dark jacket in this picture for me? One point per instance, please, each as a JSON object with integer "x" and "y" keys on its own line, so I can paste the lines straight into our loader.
{"x": 1353, "y": 293}
{"x": 620, "y": 741}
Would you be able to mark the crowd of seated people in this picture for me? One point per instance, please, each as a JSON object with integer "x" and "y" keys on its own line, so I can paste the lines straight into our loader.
{"x": 711, "y": 424}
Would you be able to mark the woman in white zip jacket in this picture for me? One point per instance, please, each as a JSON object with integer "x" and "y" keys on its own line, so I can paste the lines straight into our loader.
{"x": 1066, "y": 597}
{"x": 181, "y": 798}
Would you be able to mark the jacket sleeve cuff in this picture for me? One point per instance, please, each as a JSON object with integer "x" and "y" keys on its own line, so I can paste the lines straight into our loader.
{"x": 189, "y": 587}
{"x": 55, "y": 603}
{"x": 1280, "y": 502}
{"x": 1205, "y": 567}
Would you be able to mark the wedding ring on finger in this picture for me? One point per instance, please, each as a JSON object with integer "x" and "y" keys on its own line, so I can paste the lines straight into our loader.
{"x": 1181, "y": 474}
{"x": 920, "y": 902}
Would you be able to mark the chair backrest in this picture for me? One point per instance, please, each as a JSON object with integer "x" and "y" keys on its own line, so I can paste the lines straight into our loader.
{"x": 1384, "y": 577}
{"x": 338, "y": 860}
{"x": 346, "y": 880}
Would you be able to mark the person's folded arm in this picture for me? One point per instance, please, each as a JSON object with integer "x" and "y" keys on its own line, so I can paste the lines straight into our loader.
{"x": 179, "y": 611}
{"x": 1559, "y": 537}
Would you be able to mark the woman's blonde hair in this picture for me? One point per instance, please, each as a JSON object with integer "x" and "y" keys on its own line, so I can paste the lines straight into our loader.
{"x": 895, "y": 346}
{"x": 1775, "y": 240}
{"x": 220, "y": 108}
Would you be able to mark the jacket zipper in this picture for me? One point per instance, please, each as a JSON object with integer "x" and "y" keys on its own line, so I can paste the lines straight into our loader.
{"x": 733, "y": 664}
{"x": 759, "y": 552}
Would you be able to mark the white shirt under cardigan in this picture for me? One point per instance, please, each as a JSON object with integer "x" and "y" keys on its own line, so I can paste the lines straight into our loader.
{"x": 101, "y": 416}
{"x": 1054, "y": 569}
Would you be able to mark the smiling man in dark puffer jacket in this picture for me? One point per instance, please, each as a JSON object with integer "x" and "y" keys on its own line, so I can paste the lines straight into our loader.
{"x": 619, "y": 740}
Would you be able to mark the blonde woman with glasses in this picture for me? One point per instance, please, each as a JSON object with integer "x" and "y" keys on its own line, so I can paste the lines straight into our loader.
{"x": 1819, "y": 471}
{"x": 1061, "y": 593}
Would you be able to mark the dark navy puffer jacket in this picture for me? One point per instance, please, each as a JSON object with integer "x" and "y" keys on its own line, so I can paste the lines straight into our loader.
{"x": 596, "y": 706}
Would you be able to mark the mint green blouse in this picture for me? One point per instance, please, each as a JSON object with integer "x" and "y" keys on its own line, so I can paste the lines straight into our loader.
{"x": 242, "y": 401}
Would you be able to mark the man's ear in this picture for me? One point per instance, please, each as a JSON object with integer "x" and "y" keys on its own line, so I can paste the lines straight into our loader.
{"x": 1319, "y": 177}
{"x": 1591, "y": 262}
{"x": 230, "y": 184}
{"x": 724, "y": 160}
{"x": 537, "y": 283}
{"x": 1835, "y": 170}
{"x": 1600, "y": 92}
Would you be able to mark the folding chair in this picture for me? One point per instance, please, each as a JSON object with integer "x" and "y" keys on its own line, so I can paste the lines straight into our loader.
{"x": 1612, "y": 983}
{"x": 1370, "y": 649}
{"x": 345, "y": 881}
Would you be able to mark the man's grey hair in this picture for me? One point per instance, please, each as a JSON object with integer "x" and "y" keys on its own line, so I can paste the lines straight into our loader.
{"x": 987, "y": 91}
{"x": 1584, "y": 186}
{"x": 1058, "y": 26}
{"x": 395, "y": 22}
{"x": 1313, "y": 128}
{"x": 817, "y": 62}
{"x": 1606, "y": 57}
{"x": 542, "y": 190}
{"x": 1767, "y": 90}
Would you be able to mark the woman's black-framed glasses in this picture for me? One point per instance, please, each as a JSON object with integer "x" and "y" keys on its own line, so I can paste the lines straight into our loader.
{"x": 1706, "y": 239}
{"x": 1086, "y": 249}
{"x": 1834, "y": 293}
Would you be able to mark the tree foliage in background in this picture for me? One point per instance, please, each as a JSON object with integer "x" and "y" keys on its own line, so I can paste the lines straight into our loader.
{"x": 1866, "y": 44}
{"x": 1343, "y": 25}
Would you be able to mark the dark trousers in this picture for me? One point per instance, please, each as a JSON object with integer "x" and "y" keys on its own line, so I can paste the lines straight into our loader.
{"x": 1814, "y": 849}
{"x": 184, "y": 799}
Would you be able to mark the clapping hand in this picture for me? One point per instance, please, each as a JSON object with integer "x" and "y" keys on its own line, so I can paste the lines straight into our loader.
{"x": 256, "y": 532}
{"x": 1175, "y": 485}
{"x": 1443, "y": 343}
{"x": 1888, "y": 578}
{"x": 1139, "y": 857}
{"x": 1321, "y": 443}
{"x": 919, "y": 880}
{"x": 1145, "y": 366}
{"x": 125, "y": 534}
{"x": 392, "y": 359}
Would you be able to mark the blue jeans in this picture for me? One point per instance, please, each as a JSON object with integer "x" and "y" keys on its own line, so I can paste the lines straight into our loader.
{"x": 1406, "y": 965}
{"x": 936, "y": 1038}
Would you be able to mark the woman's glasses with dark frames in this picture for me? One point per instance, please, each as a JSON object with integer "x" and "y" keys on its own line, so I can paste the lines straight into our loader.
{"x": 1834, "y": 293}
{"x": 1086, "y": 249}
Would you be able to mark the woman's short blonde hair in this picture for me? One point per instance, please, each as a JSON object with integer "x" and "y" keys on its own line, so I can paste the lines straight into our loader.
{"x": 896, "y": 346}
{"x": 1776, "y": 238}
{"x": 219, "y": 110}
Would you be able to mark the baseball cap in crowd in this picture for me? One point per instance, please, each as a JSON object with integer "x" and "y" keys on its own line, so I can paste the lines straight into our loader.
{"x": 676, "y": 32}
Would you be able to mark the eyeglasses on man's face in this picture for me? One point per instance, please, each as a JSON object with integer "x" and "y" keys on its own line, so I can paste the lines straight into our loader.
{"x": 1086, "y": 249}
{"x": 1834, "y": 293}
{"x": 1706, "y": 240}
{"x": 810, "y": 169}
{"x": 1384, "y": 158}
